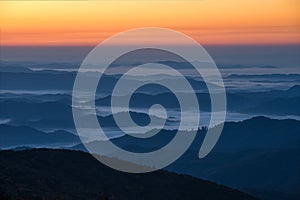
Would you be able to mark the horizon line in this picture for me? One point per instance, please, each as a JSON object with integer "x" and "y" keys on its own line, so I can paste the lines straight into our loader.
{"x": 204, "y": 44}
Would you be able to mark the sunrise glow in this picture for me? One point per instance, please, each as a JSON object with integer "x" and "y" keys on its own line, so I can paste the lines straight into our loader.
{"x": 207, "y": 21}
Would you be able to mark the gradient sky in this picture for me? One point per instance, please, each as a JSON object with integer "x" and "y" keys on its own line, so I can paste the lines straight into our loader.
{"x": 207, "y": 21}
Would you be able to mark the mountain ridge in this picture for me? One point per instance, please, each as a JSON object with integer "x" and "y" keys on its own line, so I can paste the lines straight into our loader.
{"x": 44, "y": 173}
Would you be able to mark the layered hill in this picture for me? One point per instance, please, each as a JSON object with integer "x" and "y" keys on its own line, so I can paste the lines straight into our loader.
{"x": 63, "y": 174}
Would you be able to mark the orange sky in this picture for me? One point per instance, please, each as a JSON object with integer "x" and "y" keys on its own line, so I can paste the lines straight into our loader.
{"x": 207, "y": 21}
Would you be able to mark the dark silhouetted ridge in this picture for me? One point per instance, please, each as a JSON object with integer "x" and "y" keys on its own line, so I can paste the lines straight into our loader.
{"x": 62, "y": 174}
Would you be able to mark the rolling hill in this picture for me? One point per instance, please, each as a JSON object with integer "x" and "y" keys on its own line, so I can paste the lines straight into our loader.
{"x": 62, "y": 174}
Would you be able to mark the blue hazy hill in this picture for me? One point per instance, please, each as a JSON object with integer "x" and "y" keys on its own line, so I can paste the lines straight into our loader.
{"x": 14, "y": 136}
{"x": 259, "y": 154}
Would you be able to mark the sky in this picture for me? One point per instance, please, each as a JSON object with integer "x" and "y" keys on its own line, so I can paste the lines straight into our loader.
{"x": 212, "y": 22}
